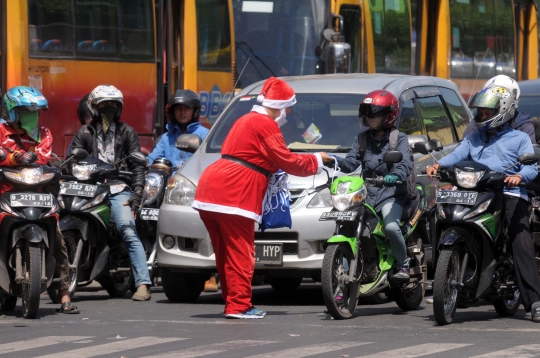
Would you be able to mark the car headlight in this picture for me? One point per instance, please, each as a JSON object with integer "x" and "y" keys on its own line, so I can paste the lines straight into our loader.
{"x": 342, "y": 200}
{"x": 468, "y": 179}
{"x": 321, "y": 200}
{"x": 82, "y": 172}
{"x": 97, "y": 200}
{"x": 479, "y": 210}
{"x": 180, "y": 191}
{"x": 152, "y": 185}
{"x": 29, "y": 175}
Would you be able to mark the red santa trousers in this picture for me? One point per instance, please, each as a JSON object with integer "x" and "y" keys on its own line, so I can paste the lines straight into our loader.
{"x": 233, "y": 238}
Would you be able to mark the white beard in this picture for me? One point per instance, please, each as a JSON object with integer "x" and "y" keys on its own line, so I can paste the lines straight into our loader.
{"x": 282, "y": 119}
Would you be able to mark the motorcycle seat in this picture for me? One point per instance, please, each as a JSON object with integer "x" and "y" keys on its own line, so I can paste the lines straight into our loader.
{"x": 410, "y": 207}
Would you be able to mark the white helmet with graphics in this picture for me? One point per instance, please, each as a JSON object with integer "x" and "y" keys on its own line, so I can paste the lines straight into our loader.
{"x": 507, "y": 82}
{"x": 105, "y": 93}
{"x": 495, "y": 106}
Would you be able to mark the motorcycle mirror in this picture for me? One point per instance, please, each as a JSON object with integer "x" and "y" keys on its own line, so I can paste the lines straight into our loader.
{"x": 436, "y": 145}
{"x": 528, "y": 158}
{"x": 416, "y": 138}
{"x": 188, "y": 142}
{"x": 79, "y": 153}
{"x": 138, "y": 158}
{"x": 421, "y": 147}
{"x": 392, "y": 156}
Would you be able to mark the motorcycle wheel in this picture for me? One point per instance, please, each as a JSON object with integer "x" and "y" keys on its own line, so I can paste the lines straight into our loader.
{"x": 116, "y": 287}
{"x": 508, "y": 307}
{"x": 332, "y": 268}
{"x": 71, "y": 239}
{"x": 409, "y": 300}
{"x": 285, "y": 284}
{"x": 8, "y": 304}
{"x": 445, "y": 297}
{"x": 181, "y": 287}
{"x": 31, "y": 289}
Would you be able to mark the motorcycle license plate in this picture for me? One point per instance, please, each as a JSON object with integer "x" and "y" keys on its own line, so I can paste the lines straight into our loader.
{"x": 76, "y": 189}
{"x": 149, "y": 214}
{"x": 339, "y": 215}
{"x": 269, "y": 254}
{"x": 456, "y": 197}
{"x": 37, "y": 200}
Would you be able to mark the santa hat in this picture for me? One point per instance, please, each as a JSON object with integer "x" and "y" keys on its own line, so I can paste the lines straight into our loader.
{"x": 276, "y": 94}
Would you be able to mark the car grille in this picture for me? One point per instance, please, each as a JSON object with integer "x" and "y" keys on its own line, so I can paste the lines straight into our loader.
{"x": 289, "y": 248}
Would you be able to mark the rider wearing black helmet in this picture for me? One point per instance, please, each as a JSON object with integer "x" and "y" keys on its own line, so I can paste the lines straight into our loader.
{"x": 184, "y": 110}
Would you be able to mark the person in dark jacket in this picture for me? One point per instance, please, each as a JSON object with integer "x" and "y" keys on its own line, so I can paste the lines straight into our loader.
{"x": 520, "y": 121}
{"x": 379, "y": 111}
{"x": 110, "y": 140}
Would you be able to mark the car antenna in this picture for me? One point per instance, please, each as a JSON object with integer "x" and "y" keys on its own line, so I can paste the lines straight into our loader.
{"x": 238, "y": 79}
{"x": 474, "y": 83}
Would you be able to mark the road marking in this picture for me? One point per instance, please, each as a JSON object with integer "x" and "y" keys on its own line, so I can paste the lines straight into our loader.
{"x": 529, "y": 350}
{"x": 211, "y": 349}
{"x": 310, "y": 350}
{"x": 419, "y": 350}
{"x": 113, "y": 347}
{"x": 38, "y": 342}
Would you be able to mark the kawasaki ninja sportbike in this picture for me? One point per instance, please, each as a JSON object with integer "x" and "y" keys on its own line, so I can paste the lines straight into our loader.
{"x": 358, "y": 260}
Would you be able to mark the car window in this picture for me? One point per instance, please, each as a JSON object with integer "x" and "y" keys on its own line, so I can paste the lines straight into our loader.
{"x": 435, "y": 119}
{"x": 317, "y": 122}
{"x": 408, "y": 122}
{"x": 458, "y": 112}
{"x": 529, "y": 105}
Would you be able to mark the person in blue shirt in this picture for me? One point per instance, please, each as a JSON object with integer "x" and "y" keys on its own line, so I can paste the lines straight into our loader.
{"x": 497, "y": 145}
{"x": 184, "y": 110}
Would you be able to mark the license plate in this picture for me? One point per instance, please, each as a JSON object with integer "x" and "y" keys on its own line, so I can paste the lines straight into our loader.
{"x": 269, "y": 254}
{"x": 37, "y": 200}
{"x": 149, "y": 214}
{"x": 457, "y": 197}
{"x": 339, "y": 215}
{"x": 76, "y": 189}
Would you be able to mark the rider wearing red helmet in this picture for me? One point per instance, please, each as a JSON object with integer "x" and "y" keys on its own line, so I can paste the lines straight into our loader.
{"x": 378, "y": 113}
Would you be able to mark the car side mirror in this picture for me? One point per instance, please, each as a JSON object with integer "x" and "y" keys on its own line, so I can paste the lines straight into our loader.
{"x": 188, "y": 142}
{"x": 79, "y": 153}
{"x": 528, "y": 158}
{"x": 392, "y": 157}
{"x": 138, "y": 158}
{"x": 436, "y": 145}
{"x": 422, "y": 147}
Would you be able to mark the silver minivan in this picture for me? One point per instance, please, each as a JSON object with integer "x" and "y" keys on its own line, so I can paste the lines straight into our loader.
{"x": 325, "y": 118}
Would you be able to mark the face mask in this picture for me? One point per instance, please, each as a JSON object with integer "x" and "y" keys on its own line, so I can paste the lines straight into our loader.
{"x": 29, "y": 122}
{"x": 282, "y": 119}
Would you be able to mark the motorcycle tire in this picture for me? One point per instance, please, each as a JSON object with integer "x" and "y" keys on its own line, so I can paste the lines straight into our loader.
{"x": 114, "y": 287}
{"x": 409, "y": 300}
{"x": 31, "y": 289}
{"x": 508, "y": 307}
{"x": 333, "y": 256}
{"x": 445, "y": 298}
{"x": 181, "y": 287}
{"x": 8, "y": 304}
{"x": 285, "y": 284}
{"x": 71, "y": 239}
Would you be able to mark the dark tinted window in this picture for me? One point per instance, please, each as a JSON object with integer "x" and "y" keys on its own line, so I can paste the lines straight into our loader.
{"x": 97, "y": 28}
{"x": 435, "y": 119}
{"x": 351, "y": 30}
{"x": 459, "y": 114}
{"x": 50, "y": 28}
{"x": 529, "y": 105}
{"x": 135, "y": 29}
{"x": 213, "y": 34}
{"x": 407, "y": 120}
{"x": 317, "y": 122}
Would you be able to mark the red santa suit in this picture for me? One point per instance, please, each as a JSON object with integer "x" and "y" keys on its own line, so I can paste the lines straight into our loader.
{"x": 229, "y": 195}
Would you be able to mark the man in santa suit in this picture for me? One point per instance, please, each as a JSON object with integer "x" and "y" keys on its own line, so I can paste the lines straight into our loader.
{"x": 231, "y": 191}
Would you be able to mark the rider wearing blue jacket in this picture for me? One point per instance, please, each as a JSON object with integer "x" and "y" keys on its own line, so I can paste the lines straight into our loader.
{"x": 184, "y": 109}
{"x": 498, "y": 146}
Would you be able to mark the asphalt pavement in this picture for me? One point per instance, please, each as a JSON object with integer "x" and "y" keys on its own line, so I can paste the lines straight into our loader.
{"x": 295, "y": 326}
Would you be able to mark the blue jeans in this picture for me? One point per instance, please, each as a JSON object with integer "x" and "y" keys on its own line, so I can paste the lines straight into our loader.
{"x": 391, "y": 213}
{"x": 121, "y": 214}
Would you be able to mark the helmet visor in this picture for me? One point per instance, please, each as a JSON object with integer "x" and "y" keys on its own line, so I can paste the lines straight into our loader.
{"x": 372, "y": 111}
{"x": 489, "y": 97}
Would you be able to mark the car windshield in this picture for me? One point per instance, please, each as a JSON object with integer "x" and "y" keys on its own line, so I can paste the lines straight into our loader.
{"x": 529, "y": 105}
{"x": 317, "y": 122}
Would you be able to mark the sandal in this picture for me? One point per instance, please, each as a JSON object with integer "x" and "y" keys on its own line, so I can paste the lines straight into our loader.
{"x": 68, "y": 308}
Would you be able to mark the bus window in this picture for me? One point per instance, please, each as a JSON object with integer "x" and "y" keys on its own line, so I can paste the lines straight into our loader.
{"x": 50, "y": 28}
{"x": 136, "y": 29}
{"x": 391, "y": 23}
{"x": 435, "y": 119}
{"x": 351, "y": 30}
{"x": 97, "y": 28}
{"x": 457, "y": 111}
{"x": 214, "y": 40}
{"x": 408, "y": 123}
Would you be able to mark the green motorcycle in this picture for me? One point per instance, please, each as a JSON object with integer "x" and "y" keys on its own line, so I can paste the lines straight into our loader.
{"x": 358, "y": 261}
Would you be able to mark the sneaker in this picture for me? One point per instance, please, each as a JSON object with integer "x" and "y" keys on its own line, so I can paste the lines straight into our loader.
{"x": 429, "y": 300}
{"x": 535, "y": 312}
{"x": 402, "y": 275}
{"x": 211, "y": 285}
{"x": 252, "y": 313}
{"x": 142, "y": 294}
{"x": 339, "y": 298}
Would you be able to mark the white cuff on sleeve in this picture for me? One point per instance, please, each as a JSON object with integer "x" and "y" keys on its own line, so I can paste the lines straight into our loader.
{"x": 319, "y": 162}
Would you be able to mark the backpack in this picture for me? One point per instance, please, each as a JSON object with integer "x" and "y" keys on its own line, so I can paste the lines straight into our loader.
{"x": 393, "y": 139}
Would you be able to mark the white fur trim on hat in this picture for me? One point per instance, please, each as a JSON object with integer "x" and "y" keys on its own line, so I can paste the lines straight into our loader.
{"x": 277, "y": 104}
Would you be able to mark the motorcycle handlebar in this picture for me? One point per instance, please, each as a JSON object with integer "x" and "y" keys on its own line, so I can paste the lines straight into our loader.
{"x": 123, "y": 172}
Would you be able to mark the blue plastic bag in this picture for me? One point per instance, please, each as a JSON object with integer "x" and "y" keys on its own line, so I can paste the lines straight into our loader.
{"x": 277, "y": 203}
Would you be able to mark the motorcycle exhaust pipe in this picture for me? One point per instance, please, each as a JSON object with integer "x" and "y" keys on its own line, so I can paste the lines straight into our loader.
{"x": 77, "y": 256}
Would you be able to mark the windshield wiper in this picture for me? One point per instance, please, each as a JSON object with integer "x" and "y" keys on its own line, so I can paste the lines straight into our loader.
{"x": 340, "y": 149}
{"x": 301, "y": 150}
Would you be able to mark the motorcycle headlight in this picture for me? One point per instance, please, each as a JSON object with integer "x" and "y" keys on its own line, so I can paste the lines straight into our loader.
{"x": 82, "y": 172}
{"x": 29, "y": 175}
{"x": 342, "y": 200}
{"x": 321, "y": 200}
{"x": 180, "y": 191}
{"x": 479, "y": 210}
{"x": 152, "y": 185}
{"x": 468, "y": 179}
{"x": 97, "y": 200}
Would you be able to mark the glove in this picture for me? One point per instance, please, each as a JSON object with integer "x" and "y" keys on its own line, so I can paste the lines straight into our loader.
{"x": 390, "y": 179}
{"x": 2, "y": 154}
{"x": 25, "y": 158}
{"x": 134, "y": 201}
